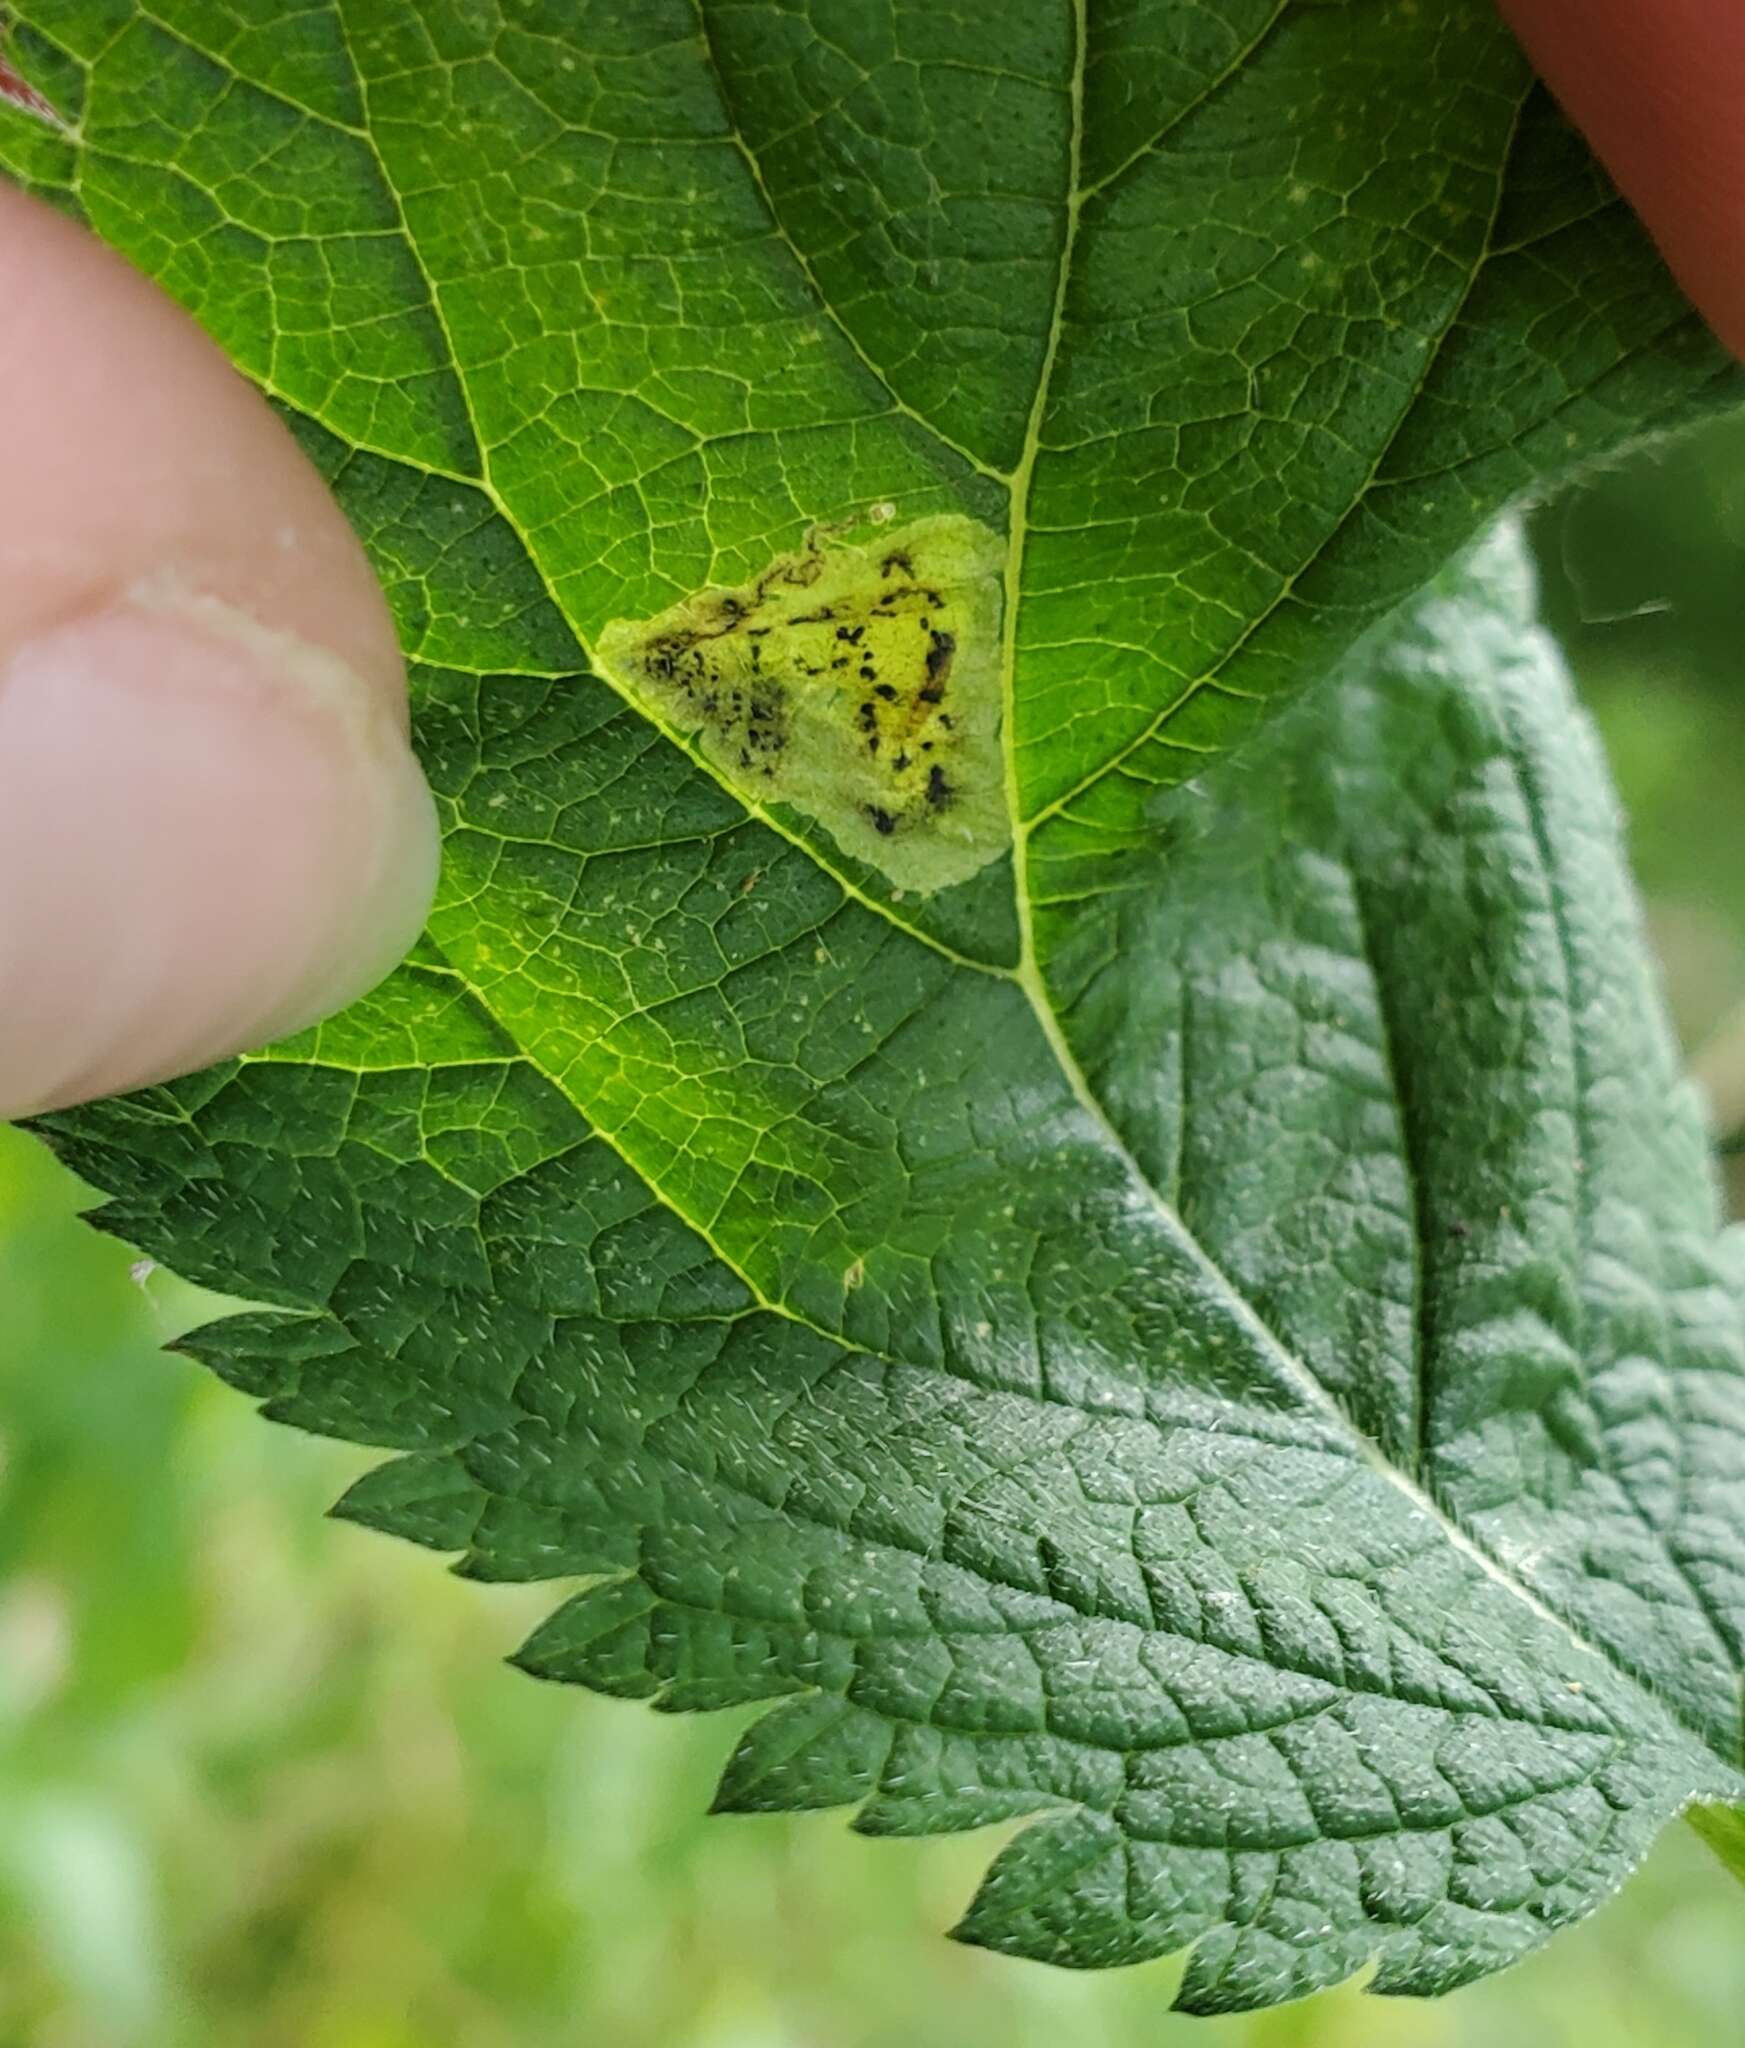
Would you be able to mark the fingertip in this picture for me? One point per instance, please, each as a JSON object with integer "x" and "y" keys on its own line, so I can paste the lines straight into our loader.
{"x": 212, "y": 827}
{"x": 133, "y": 447}
{"x": 1656, "y": 86}
{"x": 211, "y": 834}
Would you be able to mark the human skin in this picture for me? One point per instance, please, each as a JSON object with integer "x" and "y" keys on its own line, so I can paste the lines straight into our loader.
{"x": 212, "y": 827}
{"x": 1658, "y": 86}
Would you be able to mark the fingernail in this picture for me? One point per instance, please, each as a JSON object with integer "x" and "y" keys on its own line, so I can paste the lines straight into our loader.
{"x": 211, "y": 834}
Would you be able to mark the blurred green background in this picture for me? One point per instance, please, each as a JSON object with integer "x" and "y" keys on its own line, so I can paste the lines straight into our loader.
{"x": 266, "y": 1783}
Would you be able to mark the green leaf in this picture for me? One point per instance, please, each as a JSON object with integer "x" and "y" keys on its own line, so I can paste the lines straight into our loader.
{"x": 1174, "y": 1296}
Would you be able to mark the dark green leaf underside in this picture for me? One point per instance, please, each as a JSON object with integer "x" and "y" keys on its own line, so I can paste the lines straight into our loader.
{"x": 1210, "y": 1329}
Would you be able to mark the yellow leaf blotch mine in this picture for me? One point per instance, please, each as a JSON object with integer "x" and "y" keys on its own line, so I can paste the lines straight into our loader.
{"x": 858, "y": 683}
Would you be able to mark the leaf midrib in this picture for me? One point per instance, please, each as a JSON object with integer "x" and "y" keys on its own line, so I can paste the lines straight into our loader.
{"x": 1030, "y": 978}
